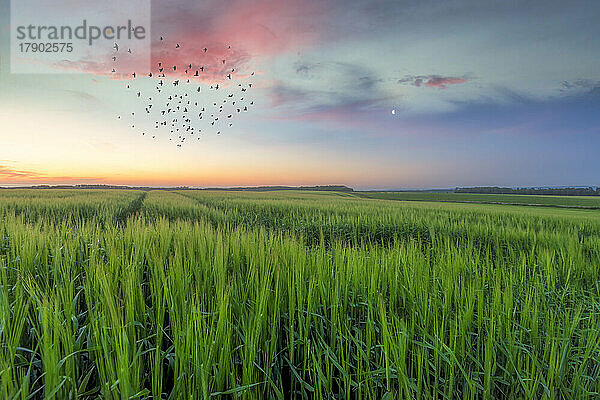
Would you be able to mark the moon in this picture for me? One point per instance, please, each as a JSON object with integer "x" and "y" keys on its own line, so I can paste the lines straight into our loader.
{"x": 394, "y": 111}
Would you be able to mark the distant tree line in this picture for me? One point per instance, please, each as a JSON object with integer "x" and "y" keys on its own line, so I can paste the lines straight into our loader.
{"x": 325, "y": 188}
{"x": 570, "y": 191}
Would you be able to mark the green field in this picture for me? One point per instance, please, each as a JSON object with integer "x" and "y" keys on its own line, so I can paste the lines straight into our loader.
{"x": 591, "y": 202}
{"x": 316, "y": 295}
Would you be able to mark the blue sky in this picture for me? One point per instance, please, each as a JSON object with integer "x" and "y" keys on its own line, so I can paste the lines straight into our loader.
{"x": 484, "y": 93}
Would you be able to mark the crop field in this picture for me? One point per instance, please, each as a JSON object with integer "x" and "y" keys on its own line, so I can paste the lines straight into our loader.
{"x": 308, "y": 295}
{"x": 589, "y": 202}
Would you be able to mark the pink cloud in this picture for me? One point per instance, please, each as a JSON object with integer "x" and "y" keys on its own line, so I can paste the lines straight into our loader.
{"x": 441, "y": 82}
{"x": 436, "y": 81}
{"x": 237, "y": 31}
{"x": 14, "y": 175}
{"x": 256, "y": 28}
{"x": 11, "y": 173}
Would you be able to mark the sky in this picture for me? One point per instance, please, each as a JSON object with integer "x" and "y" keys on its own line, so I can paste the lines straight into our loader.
{"x": 379, "y": 94}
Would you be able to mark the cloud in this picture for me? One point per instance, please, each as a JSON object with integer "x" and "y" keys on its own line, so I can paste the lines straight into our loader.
{"x": 330, "y": 85}
{"x": 258, "y": 28}
{"x": 11, "y": 173}
{"x": 87, "y": 99}
{"x": 587, "y": 85}
{"x": 14, "y": 175}
{"x": 238, "y": 31}
{"x": 304, "y": 69}
{"x": 282, "y": 94}
{"x": 436, "y": 81}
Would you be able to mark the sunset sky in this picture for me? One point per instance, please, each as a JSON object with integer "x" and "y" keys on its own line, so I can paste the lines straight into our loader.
{"x": 484, "y": 92}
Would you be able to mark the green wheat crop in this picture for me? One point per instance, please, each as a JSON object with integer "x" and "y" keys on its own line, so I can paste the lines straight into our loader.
{"x": 193, "y": 294}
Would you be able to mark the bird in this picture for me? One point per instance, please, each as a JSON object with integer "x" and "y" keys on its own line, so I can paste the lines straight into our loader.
{"x": 179, "y": 105}
{"x": 116, "y": 47}
{"x": 129, "y": 51}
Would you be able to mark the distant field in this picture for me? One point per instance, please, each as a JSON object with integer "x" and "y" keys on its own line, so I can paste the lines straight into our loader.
{"x": 592, "y": 202}
{"x": 125, "y": 294}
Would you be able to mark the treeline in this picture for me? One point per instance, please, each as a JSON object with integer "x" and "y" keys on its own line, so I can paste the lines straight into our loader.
{"x": 325, "y": 188}
{"x": 571, "y": 191}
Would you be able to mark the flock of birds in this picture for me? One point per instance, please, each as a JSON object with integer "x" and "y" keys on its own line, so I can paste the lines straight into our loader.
{"x": 180, "y": 103}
